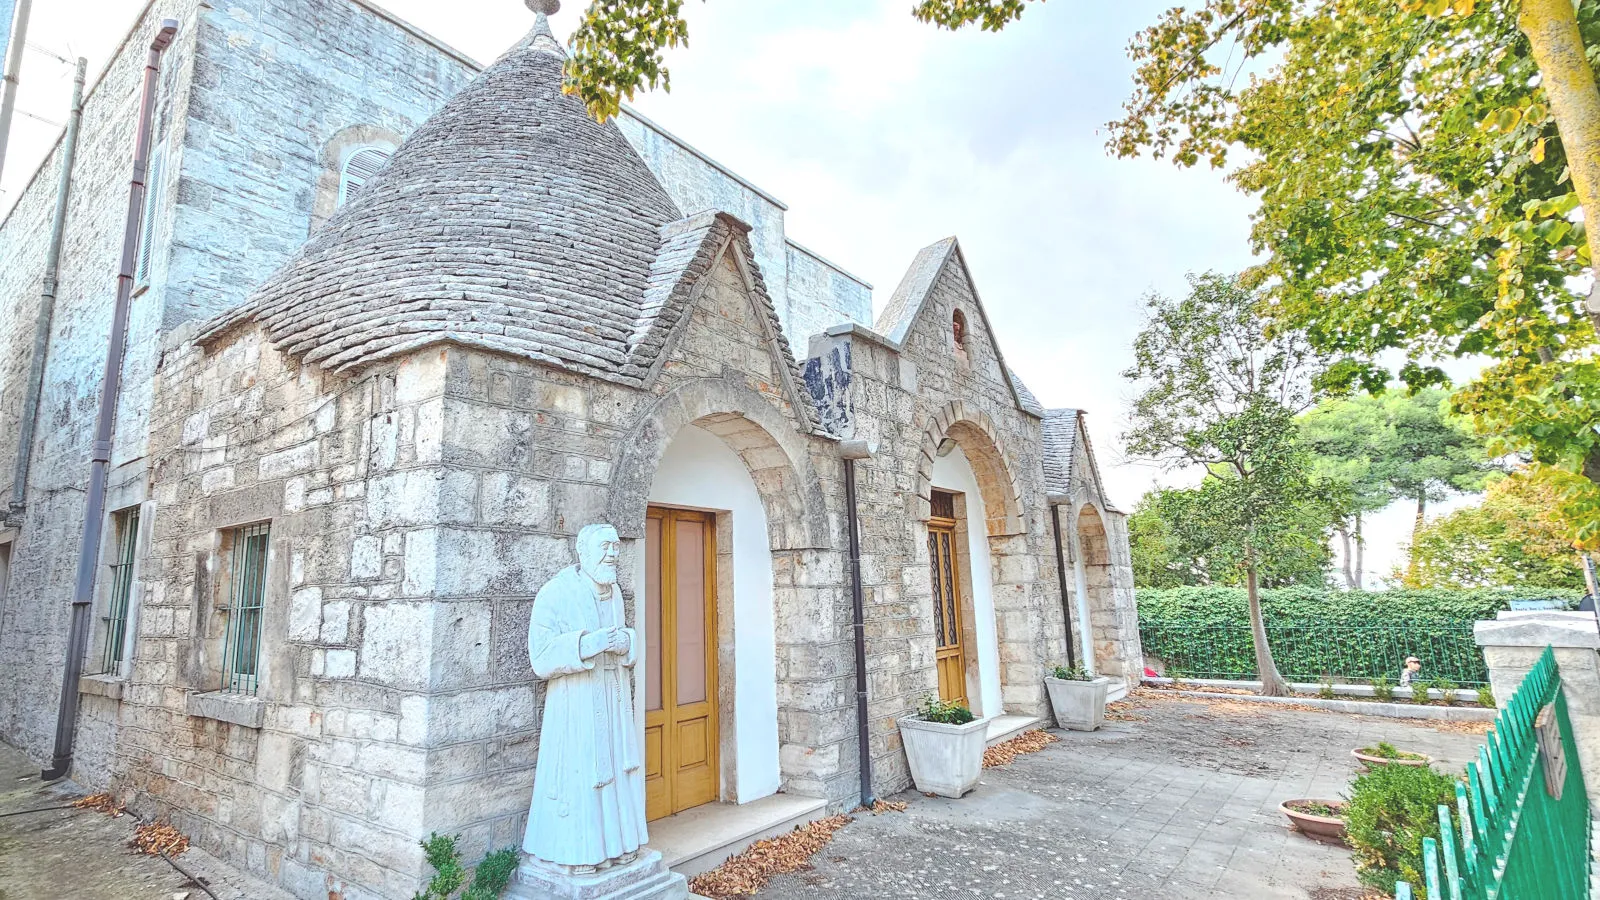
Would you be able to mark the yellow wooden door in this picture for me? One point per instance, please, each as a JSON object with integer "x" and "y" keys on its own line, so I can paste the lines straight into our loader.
{"x": 680, "y": 720}
{"x": 949, "y": 658}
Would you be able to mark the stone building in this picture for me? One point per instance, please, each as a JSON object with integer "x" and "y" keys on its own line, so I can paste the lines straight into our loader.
{"x": 402, "y": 327}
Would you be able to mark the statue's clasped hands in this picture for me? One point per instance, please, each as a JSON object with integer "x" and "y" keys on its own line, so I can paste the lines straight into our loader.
{"x": 611, "y": 639}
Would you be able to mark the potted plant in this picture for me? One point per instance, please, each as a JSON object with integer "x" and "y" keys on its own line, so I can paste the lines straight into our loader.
{"x": 944, "y": 744}
{"x": 1077, "y": 698}
{"x": 1322, "y": 820}
{"x": 1386, "y": 755}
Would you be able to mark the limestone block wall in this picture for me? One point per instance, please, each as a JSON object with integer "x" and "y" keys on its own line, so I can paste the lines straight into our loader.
{"x": 34, "y": 608}
{"x": 318, "y": 782}
{"x": 910, "y": 400}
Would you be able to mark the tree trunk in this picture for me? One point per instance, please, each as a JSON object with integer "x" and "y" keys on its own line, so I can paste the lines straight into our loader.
{"x": 1349, "y": 571}
{"x": 1568, "y": 80}
{"x": 1361, "y": 551}
{"x": 1272, "y": 683}
{"x": 1422, "y": 510}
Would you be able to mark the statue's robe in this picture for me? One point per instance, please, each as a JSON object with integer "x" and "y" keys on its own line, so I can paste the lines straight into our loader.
{"x": 588, "y": 785}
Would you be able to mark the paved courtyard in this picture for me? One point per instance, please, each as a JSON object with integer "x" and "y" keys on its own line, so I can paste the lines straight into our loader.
{"x": 1181, "y": 803}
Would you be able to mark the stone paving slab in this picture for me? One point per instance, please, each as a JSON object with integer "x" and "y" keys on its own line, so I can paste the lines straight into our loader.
{"x": 53, "y": 854}
{"x": 1182, "y": 804}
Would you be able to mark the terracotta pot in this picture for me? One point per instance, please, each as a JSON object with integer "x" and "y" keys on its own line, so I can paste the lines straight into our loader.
{"x": 1369, "y": 760}
{"x": 1327, "y": 829}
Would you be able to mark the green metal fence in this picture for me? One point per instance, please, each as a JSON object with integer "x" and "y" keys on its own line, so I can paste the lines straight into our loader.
{"x": 1521, "y": 826}
{"x": 1308, "y": 652}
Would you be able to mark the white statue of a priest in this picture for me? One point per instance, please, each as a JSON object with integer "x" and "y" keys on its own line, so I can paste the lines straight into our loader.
{"x": 588, "y": 787}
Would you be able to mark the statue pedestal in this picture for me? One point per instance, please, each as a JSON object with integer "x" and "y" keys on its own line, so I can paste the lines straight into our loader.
{"x": 646, "y": 878}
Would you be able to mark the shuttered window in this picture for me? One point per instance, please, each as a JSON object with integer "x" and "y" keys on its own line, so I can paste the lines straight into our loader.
{"x": 358, "y": 167}
{"x": 152, "y": 202}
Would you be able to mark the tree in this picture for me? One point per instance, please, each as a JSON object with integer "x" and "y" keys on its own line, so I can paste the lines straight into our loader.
{"x": 1514, "y": 537}
{"x": 1344, "y": 438}
{"x": 1217, "y": 392}
{"x": 1178, "y": 540}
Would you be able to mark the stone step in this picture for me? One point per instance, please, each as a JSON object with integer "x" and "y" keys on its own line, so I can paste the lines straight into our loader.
{"x": 698, "y": 840}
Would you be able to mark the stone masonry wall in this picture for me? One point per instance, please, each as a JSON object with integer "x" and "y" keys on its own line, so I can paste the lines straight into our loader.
{"x": 907, "y": 401}
{"x": 34, "y": 609}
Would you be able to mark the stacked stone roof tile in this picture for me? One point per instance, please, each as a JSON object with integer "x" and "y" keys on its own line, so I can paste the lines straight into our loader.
{"x": 509, "y": 221}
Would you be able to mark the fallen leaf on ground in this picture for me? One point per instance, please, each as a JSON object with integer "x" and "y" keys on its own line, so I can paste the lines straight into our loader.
{"x": 1122, "y": 711}
{"x": 1003, "y": 753}
{"x": 100, "y": 803}
{"x": 159, "y": 839}
{"x": 882, "y": 806}
{"x": 749, "y": 872}
{"x": 1447, "y": 725}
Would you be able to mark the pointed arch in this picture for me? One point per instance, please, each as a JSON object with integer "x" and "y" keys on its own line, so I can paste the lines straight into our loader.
{"x": 770, "y": 444}
{"x": 980, "y": 440}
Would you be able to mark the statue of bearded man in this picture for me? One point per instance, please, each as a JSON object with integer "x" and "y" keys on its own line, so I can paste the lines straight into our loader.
{"x": 588, "y": 787}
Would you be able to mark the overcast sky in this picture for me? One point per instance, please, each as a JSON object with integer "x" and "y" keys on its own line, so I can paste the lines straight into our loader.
{"x": 884, "y": 135}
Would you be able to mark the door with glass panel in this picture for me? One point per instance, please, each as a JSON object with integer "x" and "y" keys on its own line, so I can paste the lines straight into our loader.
{"x": 948, "y": 656}
{"x": 680, "y": 609}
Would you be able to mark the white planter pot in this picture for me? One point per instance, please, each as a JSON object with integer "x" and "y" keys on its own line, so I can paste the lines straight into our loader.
{"x": 945, "y": 759}
{"x": 1078, "y": 705}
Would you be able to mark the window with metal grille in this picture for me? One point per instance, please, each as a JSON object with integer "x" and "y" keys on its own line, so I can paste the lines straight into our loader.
{"x": 152, "y": 200}
{"x": 247, "y": 578}
{"x": 116, "y": 618}
{"x": 358, "y": 167}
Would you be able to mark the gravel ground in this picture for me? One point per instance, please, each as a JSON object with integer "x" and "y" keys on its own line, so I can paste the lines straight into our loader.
{"x": 1180, "y": 803}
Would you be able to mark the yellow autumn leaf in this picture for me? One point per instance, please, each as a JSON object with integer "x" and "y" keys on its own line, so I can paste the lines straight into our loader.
{"x": 1538, "y": 151}
{"x": 1463, "y": 7}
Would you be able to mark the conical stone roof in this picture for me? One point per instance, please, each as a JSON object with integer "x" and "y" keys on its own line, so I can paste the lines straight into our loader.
{"x": 510, "y": 220}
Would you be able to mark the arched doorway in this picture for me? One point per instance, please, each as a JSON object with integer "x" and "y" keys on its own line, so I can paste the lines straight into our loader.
{"x": 1096, "y": 593}
{"x": 713, "y": 494}
{"x": 967, "y": 491}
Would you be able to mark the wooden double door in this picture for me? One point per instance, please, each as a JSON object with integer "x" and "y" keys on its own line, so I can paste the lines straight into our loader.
{"x": 680, "y": 615}
{"x": 949, "y": 656}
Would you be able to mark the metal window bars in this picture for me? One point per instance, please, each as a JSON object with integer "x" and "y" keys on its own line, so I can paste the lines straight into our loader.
{"x": 241, "y": 648}
{"x": 116, "y": 618}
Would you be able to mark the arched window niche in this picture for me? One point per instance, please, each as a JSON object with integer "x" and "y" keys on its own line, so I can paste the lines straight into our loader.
{"x": 349, "y": 158}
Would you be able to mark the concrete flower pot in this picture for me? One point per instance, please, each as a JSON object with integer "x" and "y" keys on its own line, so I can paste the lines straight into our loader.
{"x": 945, "y": 759}
{"x": 1078, "y": 705}
{"x": 1371, "y": 761}
{"x": 1329, "y": 829}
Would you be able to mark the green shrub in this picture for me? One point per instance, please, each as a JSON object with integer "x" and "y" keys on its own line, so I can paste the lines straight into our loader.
{"x": 1486, "y": 697}
{"x": 1326, "y": 691}
{"x": 1076, "y": 673}
{"x": 1391, "y": 810}
{"x": 441, "y": 853}
{"x": 492, "y": 875}
{"x": 1447, "y": 690}
{"x": 488, "y": 882}
{"x": 944, "y": 712}
{"x": 1382, "y": 688}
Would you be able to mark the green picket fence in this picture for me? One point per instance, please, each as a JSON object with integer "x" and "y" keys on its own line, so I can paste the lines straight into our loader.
{"x": 1309, "y": 651}
{"x": 1520, "y": 829}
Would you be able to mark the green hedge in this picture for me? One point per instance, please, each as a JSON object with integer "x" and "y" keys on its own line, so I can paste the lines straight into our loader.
{"x": 1205, "y": 632}
{"x": 1316, "y": 606}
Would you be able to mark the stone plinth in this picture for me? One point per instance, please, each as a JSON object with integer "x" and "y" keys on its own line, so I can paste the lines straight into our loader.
{"x": 1513, "y": 642}
{"x": 646, "y": 878}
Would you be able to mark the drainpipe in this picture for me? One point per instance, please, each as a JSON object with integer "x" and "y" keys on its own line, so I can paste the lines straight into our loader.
{"x": 47, "y": 305}
{"x": 8, "y": 97}
{"x": 100, "y": 458}
{"x": 1055, "y": 501}
{"x": 852, "y": 451}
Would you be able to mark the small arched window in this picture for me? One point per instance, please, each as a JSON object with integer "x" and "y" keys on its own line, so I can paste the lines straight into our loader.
{"x": 358, "y": 167}
{"x": 958, "y": 333}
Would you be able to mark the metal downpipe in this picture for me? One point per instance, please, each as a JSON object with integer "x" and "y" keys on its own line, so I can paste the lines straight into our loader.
{"x": 100, "y": 457}
{"x": 852, "y": 451}
{"x": 29, "y": 422}
{"x": 1061, "y": 575}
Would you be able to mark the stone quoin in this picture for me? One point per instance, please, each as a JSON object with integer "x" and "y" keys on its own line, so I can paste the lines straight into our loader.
{"x": 402, "y": 327}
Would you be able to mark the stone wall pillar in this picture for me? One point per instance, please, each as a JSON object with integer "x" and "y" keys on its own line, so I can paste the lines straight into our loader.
{"x": 1512, "y": 644}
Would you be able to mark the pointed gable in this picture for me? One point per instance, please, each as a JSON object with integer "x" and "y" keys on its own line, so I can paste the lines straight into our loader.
{"x": 1069, "y": 461}
{"x": 910, "y": 303}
